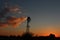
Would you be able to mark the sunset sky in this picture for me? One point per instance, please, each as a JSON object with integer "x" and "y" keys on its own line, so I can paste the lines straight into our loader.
{"x": 45, "y": 17}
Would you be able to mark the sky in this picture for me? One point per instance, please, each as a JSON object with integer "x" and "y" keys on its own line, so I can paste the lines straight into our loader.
{"x": 45, "y": 17}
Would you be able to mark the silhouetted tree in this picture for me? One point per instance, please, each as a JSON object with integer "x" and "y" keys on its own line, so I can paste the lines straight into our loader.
{"x": 52, "y": 37}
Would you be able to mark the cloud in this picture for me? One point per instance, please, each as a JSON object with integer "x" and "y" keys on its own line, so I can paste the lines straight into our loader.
{"x": 11, "y": 20}
{"x": 11, "y": 9}
{"x": 19, "y": 21}
{"x": 15, "y": 21}
{"x": 15, "y": 9}
{"x": 3, "y": 24}
{"x": 3, "y": 12}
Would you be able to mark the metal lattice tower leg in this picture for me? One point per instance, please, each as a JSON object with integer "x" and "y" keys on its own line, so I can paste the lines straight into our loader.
{"x": 27, "y": 30}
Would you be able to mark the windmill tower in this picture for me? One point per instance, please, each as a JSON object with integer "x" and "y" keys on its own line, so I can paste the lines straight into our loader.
{"x": 28, "y": 26}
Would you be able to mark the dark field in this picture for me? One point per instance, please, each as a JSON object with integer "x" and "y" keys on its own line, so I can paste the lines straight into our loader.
{"x": 28, "y": 36}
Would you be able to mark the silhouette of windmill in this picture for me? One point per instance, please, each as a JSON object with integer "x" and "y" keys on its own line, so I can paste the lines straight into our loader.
{"x": 28, "y": 26}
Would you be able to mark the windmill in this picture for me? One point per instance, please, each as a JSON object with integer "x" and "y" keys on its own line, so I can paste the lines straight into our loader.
{"x": 28, "y": 26}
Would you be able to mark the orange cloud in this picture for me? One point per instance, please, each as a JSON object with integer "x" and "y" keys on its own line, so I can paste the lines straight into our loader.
{"x": 3, "y": 24}
{"x": 16, "y": 21}
{"x": 13, "y": 21}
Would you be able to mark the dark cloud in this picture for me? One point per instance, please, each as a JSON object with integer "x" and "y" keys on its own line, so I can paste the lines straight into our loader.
{"x": 3, "y": 12}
